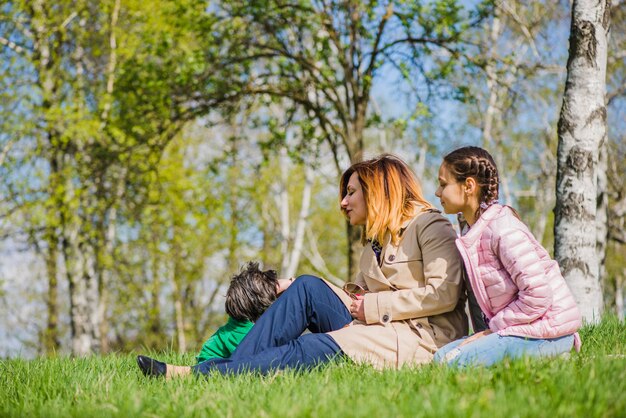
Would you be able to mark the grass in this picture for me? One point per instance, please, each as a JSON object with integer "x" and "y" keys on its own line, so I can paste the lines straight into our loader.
{"x": 591, "y": 383}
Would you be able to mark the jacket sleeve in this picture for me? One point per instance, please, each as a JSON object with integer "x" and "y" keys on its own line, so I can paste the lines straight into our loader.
{"x": 443, "y": 278}
{"x": 520, "y": 256}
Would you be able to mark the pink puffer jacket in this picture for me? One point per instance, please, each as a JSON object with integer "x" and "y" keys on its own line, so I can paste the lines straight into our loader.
{"x": 518, "y": 286}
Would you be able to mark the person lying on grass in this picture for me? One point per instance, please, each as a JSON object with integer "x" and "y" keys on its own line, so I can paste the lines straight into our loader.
{"x": 407, "y": 301}
{"x": 527, "y": 305}
{"x": 249, "y": 294}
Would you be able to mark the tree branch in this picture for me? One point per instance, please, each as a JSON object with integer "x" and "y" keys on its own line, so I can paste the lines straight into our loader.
{"x": 111, "y": 65}
{"x": 379, "y": 35}
{"x": 18, "y": 49}
{"x": 315, "y": 73}
{"x": 615, "y": 94}
{"x": 348, "y": 82}
{"x": 317, "y": 261}
{"x": 305, "y": 102}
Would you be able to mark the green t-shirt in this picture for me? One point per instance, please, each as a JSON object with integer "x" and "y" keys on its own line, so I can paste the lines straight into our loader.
{"x": 225, "y": 340}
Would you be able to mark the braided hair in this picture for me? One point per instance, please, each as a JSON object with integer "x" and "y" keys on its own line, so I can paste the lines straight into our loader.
{"x": 478, "y": 164}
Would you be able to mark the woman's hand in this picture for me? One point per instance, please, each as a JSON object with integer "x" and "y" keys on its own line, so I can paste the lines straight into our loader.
{"x": 357, "y": 309}
{"x": 476, "y": 336}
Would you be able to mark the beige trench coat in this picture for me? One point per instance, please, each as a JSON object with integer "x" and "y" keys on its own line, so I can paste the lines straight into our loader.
{"x": 416, "y": 299}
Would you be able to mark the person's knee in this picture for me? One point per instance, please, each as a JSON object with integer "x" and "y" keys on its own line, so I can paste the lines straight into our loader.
{"x": 307, "y": 281}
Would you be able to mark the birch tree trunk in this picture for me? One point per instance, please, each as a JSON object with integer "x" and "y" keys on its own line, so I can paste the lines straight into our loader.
{"x": 282, "y": 201}
{"x": 292, "y": 244}
{"x": 296, "y": 251}
{"x": 105, "y": 271}
{"x": 80, "y": 266}
{"x": 582, "y": 130}
{"x": 602, "y": 213}
{"x": 51, "y": 341}
{"x": 110, "y": 229}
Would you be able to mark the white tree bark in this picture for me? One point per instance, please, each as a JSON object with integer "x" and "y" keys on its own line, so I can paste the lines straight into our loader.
{"x": 296, "y": 251}
{"x": 80, "y": 263}
{"x": 291, "y": 245}
{"x": 582, "y": 131}
{"x": 179, "y": 311}
{"x": 312, "y": 254}
{"x": 283, "y": 206}
{"x": 602, "y": 213}
{"x": 105, "y": 269}
{"x": 84, "y": 301}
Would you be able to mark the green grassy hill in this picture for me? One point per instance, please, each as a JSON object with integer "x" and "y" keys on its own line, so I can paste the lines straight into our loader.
{"x": 591, "y": 383}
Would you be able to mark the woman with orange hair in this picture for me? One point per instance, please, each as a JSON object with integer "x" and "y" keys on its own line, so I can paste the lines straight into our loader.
{"x": 406, "y": 302}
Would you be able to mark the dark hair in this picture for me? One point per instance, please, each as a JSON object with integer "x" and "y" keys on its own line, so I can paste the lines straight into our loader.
{"x": 478, "y": 164}
{"x": 251, "y": 292}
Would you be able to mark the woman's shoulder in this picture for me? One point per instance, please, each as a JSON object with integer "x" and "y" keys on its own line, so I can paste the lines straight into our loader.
{"x": 432, "y": 223}
{"x": 428, "y": 214}
{"x": 423, "y": 217}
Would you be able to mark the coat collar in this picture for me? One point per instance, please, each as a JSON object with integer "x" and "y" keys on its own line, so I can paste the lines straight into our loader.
{"x": 369, "y": 264}
{"x": 479, "y": 226}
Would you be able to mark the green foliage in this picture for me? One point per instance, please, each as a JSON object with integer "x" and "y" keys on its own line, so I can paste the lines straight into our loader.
{"x": 323, "y": 60}
{"x": 86, "y": 157}
{"x": 110, "y": 85}
{"x": 590, "y": 384}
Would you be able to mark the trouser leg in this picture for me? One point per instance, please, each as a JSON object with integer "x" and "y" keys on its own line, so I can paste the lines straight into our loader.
{"x": 492, "y": 348}
{"x": 303, "y": 353}
{"x": 307, "y": 304}
{"x": 448, "y": 351}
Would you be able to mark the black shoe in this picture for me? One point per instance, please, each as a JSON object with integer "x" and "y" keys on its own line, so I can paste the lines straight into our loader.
{"x": 151, "y": 367}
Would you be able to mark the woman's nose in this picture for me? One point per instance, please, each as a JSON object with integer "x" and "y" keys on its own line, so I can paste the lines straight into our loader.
{"x": 344, "y": 201}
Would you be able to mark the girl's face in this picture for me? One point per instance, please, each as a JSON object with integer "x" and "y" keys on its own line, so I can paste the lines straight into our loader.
{"x": 450, "y": 192}
{"x": 353, "y": 203}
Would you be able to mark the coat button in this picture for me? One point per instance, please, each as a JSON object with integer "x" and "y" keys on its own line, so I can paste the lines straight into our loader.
{"x": 419, "y": 325}
{"x": 385, "y": 318}
{"x": 392, "y": 257}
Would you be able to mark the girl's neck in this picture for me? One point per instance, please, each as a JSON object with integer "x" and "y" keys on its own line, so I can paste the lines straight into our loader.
{"x": 469, "y": 213}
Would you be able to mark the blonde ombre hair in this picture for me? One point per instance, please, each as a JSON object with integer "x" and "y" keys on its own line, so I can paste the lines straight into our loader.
{"x": 392, "y": 195}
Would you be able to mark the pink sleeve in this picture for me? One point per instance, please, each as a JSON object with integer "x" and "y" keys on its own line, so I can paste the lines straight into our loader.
{"x": 520, "y": 256}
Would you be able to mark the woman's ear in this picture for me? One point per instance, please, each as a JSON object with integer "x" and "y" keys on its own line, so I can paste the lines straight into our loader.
{"x": 470, "y": 187}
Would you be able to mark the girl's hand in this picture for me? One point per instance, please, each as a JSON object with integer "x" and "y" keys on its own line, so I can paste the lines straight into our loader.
{"x": 476, "y": 336}
{"x": 357, "y": 309}
{"x": 283, "y": 284}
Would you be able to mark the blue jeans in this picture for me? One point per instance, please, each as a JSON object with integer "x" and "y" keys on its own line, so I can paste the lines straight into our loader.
{"x": 275, "y": 341}
{"x": 492, "y": 348}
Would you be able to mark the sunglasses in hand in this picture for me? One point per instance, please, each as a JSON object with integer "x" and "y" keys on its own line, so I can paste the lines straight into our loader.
{"x": 353, "y": 290}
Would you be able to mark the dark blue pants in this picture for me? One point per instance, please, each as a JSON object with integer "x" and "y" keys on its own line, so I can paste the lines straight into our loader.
{"x": 275, "y": 342}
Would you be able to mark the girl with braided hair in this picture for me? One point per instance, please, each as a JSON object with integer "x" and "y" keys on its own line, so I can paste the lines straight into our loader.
{"x": 525, "y": 301}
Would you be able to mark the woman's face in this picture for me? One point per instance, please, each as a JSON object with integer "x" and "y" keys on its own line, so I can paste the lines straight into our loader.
{"x": 353, "y": 203}
{"x": 450, "y": 192}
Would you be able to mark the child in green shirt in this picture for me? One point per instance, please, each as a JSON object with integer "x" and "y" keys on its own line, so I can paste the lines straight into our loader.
{"x": 250, "y": 293}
